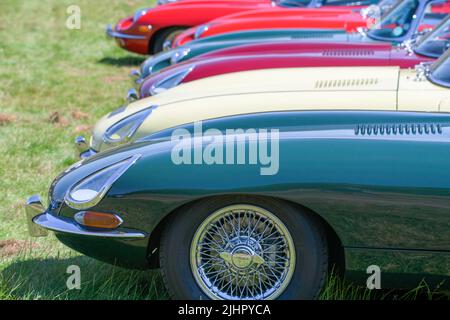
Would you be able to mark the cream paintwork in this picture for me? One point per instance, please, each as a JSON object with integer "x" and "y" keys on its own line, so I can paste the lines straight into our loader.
{"x": 420, "y": 94}
{"x": 346, "y": 88}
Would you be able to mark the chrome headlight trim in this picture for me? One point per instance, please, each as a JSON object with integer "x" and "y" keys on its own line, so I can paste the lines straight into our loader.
{"x": 122, "y": 167}
{"x": 176, "y": 79}
{"x": 200, "y": 30}
{"x": 178, "y": 55}
{"x": 139, "y": 13}
{"x": 135, "y": 120}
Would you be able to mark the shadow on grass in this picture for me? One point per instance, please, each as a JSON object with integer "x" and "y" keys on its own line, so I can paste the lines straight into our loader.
{"x": 46, "y": 279}
{"x": 415, "y": 287}
{"x": 129, "y": 61}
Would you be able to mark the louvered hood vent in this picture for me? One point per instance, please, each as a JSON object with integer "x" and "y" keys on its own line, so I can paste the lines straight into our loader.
{"x": 398, "y": 129}
{"x": 313, "y": 34}
{"x": 342, "y": 83}
{"x": 348, "y": 53}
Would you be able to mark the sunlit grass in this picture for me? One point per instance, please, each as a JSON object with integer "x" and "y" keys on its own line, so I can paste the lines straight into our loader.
{"x": 46, "y": 68}
{"x": 80, "y": 75}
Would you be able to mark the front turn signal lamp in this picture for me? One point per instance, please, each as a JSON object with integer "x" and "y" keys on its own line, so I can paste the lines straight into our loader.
{"x": 100, "y": 220}
{"x": 144, "y": 29}
{"x": 90, "y": 191}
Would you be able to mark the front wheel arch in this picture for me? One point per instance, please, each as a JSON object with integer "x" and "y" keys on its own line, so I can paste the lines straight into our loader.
{"x": 336, "y": 252}
{"x": 157, "y": 34}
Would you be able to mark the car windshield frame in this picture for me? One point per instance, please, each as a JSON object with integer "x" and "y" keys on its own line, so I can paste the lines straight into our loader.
{"x": 414, "y": 17}
{"x": 442, "y": 65}
{"x": 419, "y": 47}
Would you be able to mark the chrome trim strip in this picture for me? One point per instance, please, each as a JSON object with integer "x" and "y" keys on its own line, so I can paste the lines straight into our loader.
{"x": 113, "y": 34}
{"x": 68, "y": 226}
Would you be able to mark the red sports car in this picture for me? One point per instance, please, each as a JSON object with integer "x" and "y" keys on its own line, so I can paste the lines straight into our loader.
{"x": 300, "y": 54}
{"x": 277, "y": 18}
{"x": 153, "y": 29}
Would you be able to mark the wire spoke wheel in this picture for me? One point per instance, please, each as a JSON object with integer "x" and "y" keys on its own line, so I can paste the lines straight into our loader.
{"x": 242, "y": 252}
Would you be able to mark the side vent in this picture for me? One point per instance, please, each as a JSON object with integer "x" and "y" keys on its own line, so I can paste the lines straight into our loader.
{"x": 326, "y": 84}
{"x": 348, "y": 53}
{"x": 398, "y": 129}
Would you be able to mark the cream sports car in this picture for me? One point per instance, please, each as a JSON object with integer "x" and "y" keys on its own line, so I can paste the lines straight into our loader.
{"x": 341, "y": 88}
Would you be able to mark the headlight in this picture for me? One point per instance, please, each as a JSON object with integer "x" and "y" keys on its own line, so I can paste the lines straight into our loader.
{"x": 200, "y": 30}
{"x": 170, "y": 82}
{"x": 121, "y": 131}
{"x": 178, "y": 55}
{"x": 139, "y": 14}
{"x": 91, "y": 190}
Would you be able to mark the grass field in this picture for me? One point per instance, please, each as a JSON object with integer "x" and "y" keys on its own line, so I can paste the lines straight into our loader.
{"x": 54, "y": 84}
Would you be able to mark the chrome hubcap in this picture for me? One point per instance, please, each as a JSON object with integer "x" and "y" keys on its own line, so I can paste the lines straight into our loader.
{"x": 242, "y": 252}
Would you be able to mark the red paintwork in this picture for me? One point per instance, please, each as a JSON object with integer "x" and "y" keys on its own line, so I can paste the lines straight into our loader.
{"x": 287, "y": 55}
{"x": 190, "y": 13}
{"x": 279, "y": 18}
{"x": 174, "y": 14}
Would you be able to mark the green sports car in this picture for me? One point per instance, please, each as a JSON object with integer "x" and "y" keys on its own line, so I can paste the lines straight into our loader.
{"x": 265, "y": 205}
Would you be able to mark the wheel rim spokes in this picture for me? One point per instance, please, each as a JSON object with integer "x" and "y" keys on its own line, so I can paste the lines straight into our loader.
{"x": 242, "y": 252}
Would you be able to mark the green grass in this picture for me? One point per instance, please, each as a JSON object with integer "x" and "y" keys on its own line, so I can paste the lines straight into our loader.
{"x": 80, "y": 75}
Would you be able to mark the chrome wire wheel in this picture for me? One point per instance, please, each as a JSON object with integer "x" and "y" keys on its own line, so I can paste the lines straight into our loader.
{"x": 242, "y": 252}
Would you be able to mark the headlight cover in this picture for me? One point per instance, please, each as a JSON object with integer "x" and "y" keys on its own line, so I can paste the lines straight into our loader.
{"x": 91, "y": 190}
{"x": 178, "y": 55}
{"x": 139, "y": 13}
{"x": 170, "y": 82}
{"x": 200, "y": 30}
{"x": 122, "y": 131}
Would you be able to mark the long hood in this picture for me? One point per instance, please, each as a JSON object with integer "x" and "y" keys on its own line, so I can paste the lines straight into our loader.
{"x": 284, "y": 80}
{"x": 328, "y": 56}
{"x": 343, "y": 20}
{"x": 269, "y": 35}
{"x": 264, "y": 90}
{"x": 279, "y": 12}
{"x": 329, "y": 49}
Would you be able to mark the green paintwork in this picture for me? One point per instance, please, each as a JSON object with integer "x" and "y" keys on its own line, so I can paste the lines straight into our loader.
{"x": 387, "y": 192}
{"x": 228, "y": 40}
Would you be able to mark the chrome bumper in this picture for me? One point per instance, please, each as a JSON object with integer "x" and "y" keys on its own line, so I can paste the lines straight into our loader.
{"x": 34, "y": 208}
{"x": 39, "y": 222}
{"x": 83, "y": 150}
{"x": 114, "y": 34}
{"x": 132, "y": 95}
{"x": 136, "y": 76}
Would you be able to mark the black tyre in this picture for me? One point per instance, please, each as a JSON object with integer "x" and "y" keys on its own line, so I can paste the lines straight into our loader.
{"x": 243, "y": 247}
{"x": 164, "y": 39}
